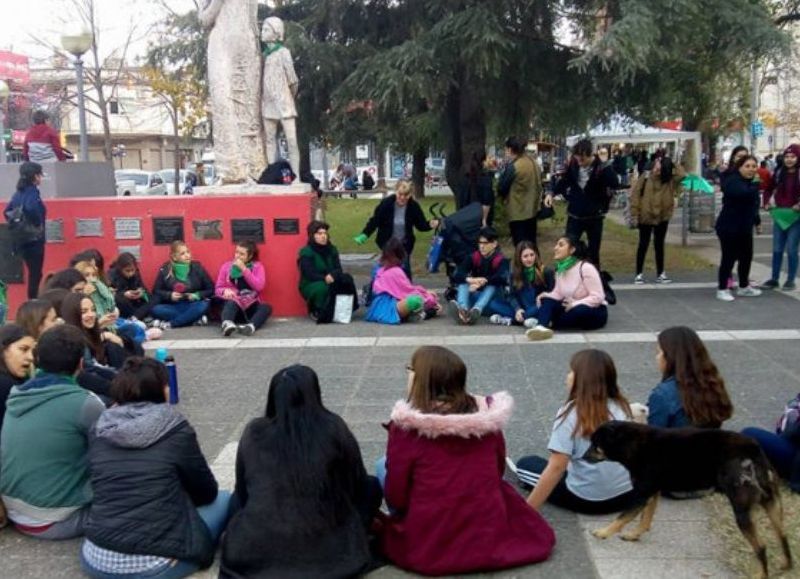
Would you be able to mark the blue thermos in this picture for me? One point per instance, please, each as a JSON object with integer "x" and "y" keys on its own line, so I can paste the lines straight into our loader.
{"x": 172, "y": 372}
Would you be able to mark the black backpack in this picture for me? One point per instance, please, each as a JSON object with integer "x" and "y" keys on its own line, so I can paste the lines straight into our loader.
{"x": 21, "y": 229}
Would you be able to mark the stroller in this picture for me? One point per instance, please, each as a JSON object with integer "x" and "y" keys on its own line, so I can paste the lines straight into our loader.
{"x": 454, "y": 240}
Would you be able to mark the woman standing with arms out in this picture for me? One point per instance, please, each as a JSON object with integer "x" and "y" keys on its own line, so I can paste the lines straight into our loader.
{"x": 740, "y": 202}
{"x": 183, "y": 289}
{"x": 452, "y": 511}
{"x": 520, "y": 186}
{"x": 26, "y": 215}
{"x": 240, "y": 283}
{"x": 652, "y": 204}
{"x": 783, "y": 200}
{"x": 303, "y": 502}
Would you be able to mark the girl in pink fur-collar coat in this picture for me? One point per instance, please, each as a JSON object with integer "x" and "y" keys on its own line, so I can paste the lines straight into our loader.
{"x": 452, "y": 511}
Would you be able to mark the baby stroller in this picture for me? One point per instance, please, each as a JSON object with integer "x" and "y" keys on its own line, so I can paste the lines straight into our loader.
{"x": 454, "y": 239}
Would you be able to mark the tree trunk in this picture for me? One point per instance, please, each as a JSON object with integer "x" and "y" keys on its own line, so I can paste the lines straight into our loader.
{"x": 418, "y": 171}
{"x": 381, "y": 155}
{"x": 467, "y": 136}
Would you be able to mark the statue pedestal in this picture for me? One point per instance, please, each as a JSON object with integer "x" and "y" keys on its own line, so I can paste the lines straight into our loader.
{"x": 253, "y": 189}
{"x": 64, "y": 180}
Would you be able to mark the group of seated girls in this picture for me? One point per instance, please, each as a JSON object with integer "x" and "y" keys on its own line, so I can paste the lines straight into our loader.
{"x": 303, "y": 504}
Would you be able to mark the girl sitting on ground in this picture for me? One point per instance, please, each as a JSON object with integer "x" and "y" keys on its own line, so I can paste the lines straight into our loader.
{"x": 183, "y": 289}
{"x": 131, "y": 296}
{"x": 69, "y": 279}
{"x": 303, "y": 502}
{"x": 692, "y": 392}
{"x": 394, "y": 297}
{"x": 528, "y": 278}
{"x": 16, "y": 366}
{"x": 240, "y": 283}
{"x": 156, "y": 507}
{"x": 452, "y": 512}
{"x": 782, "y": 447}
{"x": 566, "y": 479}
{"x": 577, "y": 301}
{"x": 36, "y": 316}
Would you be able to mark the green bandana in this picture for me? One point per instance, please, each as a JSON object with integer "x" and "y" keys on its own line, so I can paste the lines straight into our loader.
{"x": 268, "y": 48}
{"x": 181, "y": 270}
{"x": 784, "y": 217}
{"x": 530, "y": 274}
{"x": 236, "y": 273}
{"x": 563, "y": 265}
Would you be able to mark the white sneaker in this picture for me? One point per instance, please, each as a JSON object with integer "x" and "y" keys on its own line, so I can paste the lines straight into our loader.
{"x": 663, "y": 278}
{"x": 499, "y": 320}
{"x": 530, "y": 323}
{"x": 228, "y": 327}
{"x": 539, "y": 333}
{"x": 748, "y": 292}
{"x": 725, "y": 295}
{"x": 639, "y": 279}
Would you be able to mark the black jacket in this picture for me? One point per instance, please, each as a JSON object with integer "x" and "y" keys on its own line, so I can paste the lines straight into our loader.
{"x": 269, "y": 537}
{"x": 494, "y": 268}
{"x": 197, "y": 281}
{"x": 148, "y": 484}
{"x": 593, "y": 199}
{"x": 383, "y": 220}
{"x": 740, "y": 201}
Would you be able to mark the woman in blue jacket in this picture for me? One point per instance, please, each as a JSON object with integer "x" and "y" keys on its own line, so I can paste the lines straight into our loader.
{"x": 29, "y": 245}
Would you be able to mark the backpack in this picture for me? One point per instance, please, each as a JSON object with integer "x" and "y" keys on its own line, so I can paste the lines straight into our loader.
{"x": 21, "y": 229}
{"x": 790, "y": 418}
{"x": 497, "y": 260}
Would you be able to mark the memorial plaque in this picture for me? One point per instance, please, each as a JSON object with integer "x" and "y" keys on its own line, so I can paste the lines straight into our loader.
{"x": 135, "y": 250}
{"x": 205, "y": 229}
{"x": 10, "y": 265}
{"x": 54, "y": 230}
{"x": 127, "y": 228}
{"x": 167, "y": 229}
{"x": 247, "y": 229}
{"x": 289, "y": 226}
{"x": 91, "y": 227}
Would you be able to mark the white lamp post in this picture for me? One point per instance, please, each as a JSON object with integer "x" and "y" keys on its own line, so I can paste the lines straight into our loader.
{"x": 3, "y": 96}
{"x": 77, "y": 44}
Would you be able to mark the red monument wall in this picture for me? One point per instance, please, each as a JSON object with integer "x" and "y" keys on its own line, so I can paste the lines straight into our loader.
{"x": 82, "y": 219}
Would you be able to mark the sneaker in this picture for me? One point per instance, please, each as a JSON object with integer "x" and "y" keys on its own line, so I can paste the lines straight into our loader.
{"x": 228, "y": 327}
{"x": 154, "y": 323}
{"x": 499, "y": 320}
{"x": 725, "y": 295}
{"x": 511, "y": 465}
{"x": 247, "y": 329}
{"x": 770, "y": 284}
{"x": 748, "y": 292}
{"x": 165, "y": 326}
{"x": 454, "y": 310}
{"x": 473, "y": 316}
{"x": 639, "y": 279}
{"x": 203, "y": 321}
{"x": 663, "y": 278}
{"x": 539, "y": 333}
{"x": 530, "y": 323}
{"x": 789, "y": 286}
{"x": 153, "y": 333}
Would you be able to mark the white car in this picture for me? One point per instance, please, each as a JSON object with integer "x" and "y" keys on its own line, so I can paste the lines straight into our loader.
{"x": 133, "y": 182}
{"x": 186, "y": 182}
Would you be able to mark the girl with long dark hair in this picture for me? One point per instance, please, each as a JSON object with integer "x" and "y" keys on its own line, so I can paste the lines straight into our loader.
{"x": 566, "y": 479}
{"x": 16, "y": 366}
{"x": 130, "y": 295}
{"x": 36, "y": 316}
{"x": 528, "y": 279}
{"x": 452, "y": 512}
{"x": 783, "y": 201}
{"x": 303, "y": 502}
{"x": 692, "y": 392}
{"x": 26, "y": 214}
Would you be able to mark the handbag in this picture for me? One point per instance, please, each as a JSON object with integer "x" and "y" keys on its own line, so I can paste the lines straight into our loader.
{"x": 606, "y": 278}
{"x": 545, "y": 212}
{"x": 343, "y": 310}
{"x": 21, "y": 229}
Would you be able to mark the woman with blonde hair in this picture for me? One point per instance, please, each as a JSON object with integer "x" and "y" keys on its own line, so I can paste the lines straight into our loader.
{"x": 183, "y": 289}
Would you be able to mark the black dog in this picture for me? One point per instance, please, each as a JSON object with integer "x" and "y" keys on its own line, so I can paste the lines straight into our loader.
{"x": 691, "y": 459}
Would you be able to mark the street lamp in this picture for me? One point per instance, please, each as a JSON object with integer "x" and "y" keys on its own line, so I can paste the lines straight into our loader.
{"x": 77, "y": 44}
{"x": 3, "y": 96}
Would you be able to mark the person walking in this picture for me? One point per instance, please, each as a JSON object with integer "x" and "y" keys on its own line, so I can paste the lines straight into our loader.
{"x": 26, "y": 214}
{"x": 652, "y": 204}
{"x": 740, "y": 201}
{"x": 783, "y": 201}
{"x": 520, "y": 186}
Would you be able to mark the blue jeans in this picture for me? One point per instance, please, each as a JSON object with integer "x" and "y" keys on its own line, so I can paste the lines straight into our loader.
{"x": 526, "y": 298}
{"x": 552, "y": 313}
{"x": 478, "y": 300}
{"x": 180, "y": 314}
{"x": 214, "y": 515}
{"x": 784, "y": 456}
{"x": 780, "y": 240}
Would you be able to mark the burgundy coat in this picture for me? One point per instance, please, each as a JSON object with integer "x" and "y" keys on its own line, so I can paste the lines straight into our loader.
{"x": 454, "y": 512}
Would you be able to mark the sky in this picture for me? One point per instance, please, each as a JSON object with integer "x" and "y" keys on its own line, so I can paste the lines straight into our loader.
{"x": 47, "y": 20}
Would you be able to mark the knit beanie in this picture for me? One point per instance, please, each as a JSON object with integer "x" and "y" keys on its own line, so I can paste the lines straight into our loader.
{"x": 794, "y": 149}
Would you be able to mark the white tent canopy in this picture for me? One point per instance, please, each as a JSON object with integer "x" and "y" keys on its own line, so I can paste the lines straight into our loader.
{"x": 621, "y": 129}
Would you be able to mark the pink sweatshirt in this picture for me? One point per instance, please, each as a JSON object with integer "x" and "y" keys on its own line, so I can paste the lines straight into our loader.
{"x": 395, "y": 282}
{"x": 255, "y": 279}
{"x": 581, "y": 283}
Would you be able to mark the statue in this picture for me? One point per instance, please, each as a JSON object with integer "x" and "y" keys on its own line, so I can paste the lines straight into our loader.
{"x": 233, "y": 62}
{"x": 279, "y": 89}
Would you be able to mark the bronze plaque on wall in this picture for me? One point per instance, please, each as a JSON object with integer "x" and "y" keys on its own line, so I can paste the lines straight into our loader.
{"x": 286, "y": 226}
{"x": 167, "y": 229}
{"x": 247, "y": 229}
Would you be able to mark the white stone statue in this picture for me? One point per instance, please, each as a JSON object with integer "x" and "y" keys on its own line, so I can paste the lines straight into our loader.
{"x": 279, "y": 88}
{"x": 233, "y": 80}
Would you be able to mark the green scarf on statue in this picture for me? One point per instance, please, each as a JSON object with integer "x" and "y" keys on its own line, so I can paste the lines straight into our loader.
{"x": 564, "y": 264}
{"x": 268, "y": 48}
{"x": 181, "y": 270}
{"x": 236, "y": 272}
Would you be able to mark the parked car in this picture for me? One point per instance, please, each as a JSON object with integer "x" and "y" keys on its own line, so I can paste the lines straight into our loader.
{"x": 188, "y": 179}
{"x": 133, "y": 182}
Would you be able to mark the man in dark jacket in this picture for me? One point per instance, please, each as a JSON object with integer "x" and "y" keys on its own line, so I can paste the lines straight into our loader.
{"x": 588, "y": 186}
{"x": 42, "y": 142}
{"x": 478, "y": 278}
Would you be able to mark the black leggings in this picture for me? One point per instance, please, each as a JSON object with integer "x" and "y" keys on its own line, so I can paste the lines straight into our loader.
{"x": 645, "y": 231}
{"x": 529, "y": 469}
{"x": 736, "y": 247}
{"x": 256, "y": 314}
{"x": 33, "y": 256}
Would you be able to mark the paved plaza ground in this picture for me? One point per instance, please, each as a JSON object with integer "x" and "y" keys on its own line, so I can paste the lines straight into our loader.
{"x": 362, "y": 370}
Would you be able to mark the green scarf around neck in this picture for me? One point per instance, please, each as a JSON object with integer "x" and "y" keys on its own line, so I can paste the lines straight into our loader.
{"x": 268, "y": 48}
{"x": 564, "y": 264}
{"x": 181, "y": 270}
{"x": 529, "y": 273}
{"x": 236, "y": 272}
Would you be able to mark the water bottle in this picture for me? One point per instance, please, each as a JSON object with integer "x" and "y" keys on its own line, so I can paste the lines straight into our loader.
{"x": 172, "y": 371}
{"x": 161, "y": 354}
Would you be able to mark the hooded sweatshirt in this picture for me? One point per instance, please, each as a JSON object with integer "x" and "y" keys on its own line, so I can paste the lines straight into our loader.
{"x": 46, "y": 482}
{"x": 785, "y": 184}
